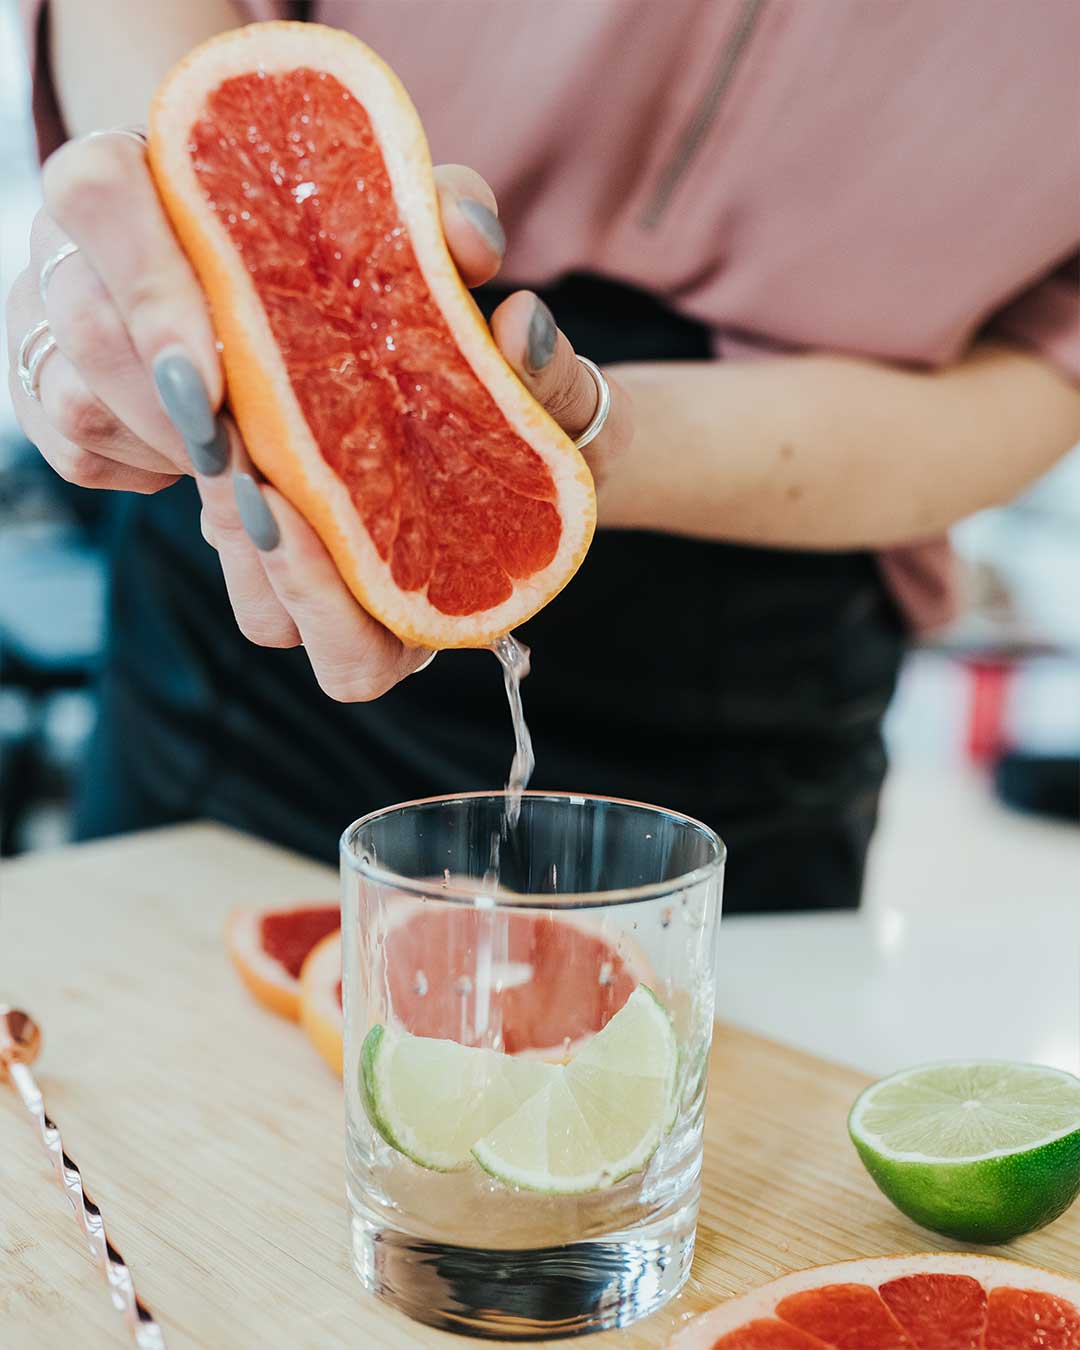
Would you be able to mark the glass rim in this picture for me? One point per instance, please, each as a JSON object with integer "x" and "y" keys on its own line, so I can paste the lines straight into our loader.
{"x": 458, "y": 894}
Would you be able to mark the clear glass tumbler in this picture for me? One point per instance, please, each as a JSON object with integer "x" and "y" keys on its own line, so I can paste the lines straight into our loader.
{"x": 528, "y": 1003}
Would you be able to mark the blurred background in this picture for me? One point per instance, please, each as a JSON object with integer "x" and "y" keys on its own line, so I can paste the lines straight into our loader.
{"x": 976, "y": 865}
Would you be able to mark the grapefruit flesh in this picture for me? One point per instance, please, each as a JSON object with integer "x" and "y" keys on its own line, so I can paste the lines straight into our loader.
{"x": 1029, "y": 1319}
{"x": 933, "y": 1301}
{"x": 268, "y": 949}
{"x": 940, "y": 1312}
{"x": 288, "y": 935}
{"x": 848, "y": 1316}
{"x": 366, "y": 384}
{"x": 553, "y": 981}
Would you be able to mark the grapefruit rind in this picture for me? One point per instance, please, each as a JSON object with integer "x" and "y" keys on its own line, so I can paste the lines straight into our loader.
{"x": 259, "y": 390}
{"x": 602, "y": 1116}
{"x": 319, "y": 1010}
{"x": 264, "y": 977}
{"x": 991, "y": 1272}
{"x": 989, "y": 1197}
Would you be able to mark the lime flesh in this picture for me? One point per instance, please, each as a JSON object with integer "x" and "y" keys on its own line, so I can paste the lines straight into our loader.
{"x": 601, "y": 1118}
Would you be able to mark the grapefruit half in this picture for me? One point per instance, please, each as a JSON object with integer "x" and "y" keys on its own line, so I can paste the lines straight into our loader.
{"x": 268, "y": 947}
{"x": 364, "y": 380}
{"x": 934, "y": 1301}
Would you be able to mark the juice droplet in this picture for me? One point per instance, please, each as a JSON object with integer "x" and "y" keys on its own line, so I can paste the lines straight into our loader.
{"x": 463, "y": 986}
{"x": 607, "y": 972}
{"x": 665, "y": 917}
{"x": 420, "y": 984}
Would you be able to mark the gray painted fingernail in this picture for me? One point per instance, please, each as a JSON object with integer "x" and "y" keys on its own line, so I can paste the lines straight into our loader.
{"x": 540, "y": 347}
{"x": 485, "y": 222}
{"x": 213, "y": 459}
{"x": 185, "y": 399}
{"x": 255, "y": 515}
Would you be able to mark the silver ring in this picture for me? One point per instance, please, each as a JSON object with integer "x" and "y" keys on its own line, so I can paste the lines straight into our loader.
{"x": 136, "y": 134}
{"x": 49, "y": 266}
{"x": 603, "y": 404}
{"x": 34, "y": 350}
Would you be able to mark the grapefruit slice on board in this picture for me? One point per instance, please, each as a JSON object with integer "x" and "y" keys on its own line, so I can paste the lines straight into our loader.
{"x": 934, "y": 1301}
{"x": 320, "y": 1000}
{"x": 268, "y": 948}
{"x": 365, "y": 381}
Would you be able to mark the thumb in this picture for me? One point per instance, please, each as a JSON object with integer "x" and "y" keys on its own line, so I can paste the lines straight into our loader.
{"x": 526, "y": 333}
{"x": 528, "y": 337}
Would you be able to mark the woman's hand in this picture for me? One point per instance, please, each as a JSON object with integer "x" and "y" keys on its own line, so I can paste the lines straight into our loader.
{"x": 131, "y": 397}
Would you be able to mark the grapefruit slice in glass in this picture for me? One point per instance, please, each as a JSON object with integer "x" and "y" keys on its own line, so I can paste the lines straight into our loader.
{"x": 365, "y": 381}
{"x": 553, "y": 981}
{"x": 933, "y": 1301}
{"x": 556, "y": 983}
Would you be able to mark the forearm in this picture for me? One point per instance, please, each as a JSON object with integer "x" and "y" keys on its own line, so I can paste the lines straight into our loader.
{"x": 830, "y": 452}
{"x": 143, "y": 40}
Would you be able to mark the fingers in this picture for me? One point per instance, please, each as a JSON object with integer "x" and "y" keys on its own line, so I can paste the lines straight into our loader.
{"x": 527, "y": 335}
{"x": 77, "y": 433}
{"x": 285, "y": 589}
{"x": 355, "y": 659}
{"x": 260, "y": 616}
{"x": 74, "y": 463}
{"x": 470, "y": 222}
{"x": 91, "y": 335}
{"x": 82, "y": 419}
{"x": 100, "y": 193}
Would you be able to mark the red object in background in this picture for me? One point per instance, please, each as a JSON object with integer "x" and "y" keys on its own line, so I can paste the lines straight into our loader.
{"x": 990, "y": 682}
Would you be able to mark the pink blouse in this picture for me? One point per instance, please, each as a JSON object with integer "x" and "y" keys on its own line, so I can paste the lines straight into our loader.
{"x": 885, "y": 178}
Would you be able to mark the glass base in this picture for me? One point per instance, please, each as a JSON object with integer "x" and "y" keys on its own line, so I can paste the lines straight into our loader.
{"x": 537, "y": 1294}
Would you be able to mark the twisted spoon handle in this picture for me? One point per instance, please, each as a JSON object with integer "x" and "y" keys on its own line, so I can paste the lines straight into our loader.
{"x": 145, "y": 1332}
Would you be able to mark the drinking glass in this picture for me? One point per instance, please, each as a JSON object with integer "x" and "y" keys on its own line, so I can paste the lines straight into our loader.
{"x": 522, "y": 926}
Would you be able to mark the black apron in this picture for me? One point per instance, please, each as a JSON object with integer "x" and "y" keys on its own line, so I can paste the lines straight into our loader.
{"x": 743, "y": 686}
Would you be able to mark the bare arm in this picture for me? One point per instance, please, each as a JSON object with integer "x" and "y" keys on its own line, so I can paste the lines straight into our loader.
{"x": 830, "y": 452}
{"x": 144, "y": 41}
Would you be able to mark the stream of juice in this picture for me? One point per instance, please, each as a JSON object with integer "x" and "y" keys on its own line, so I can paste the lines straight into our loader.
{"x": 492, "y": 938}
{"x": 513, "y": 656}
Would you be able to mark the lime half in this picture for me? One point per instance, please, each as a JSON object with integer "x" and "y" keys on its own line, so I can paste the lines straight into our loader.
{"x": 982, "y": 1150}
{"x": 432, "y": 1099}
{"x": 601, "y": 1117}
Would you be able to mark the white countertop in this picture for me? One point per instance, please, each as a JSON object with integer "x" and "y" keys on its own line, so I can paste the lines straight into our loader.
{"x": 968, "y": 943}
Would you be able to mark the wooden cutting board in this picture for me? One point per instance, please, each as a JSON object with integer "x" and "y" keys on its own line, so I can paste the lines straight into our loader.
{"x": 211, "y": 1135}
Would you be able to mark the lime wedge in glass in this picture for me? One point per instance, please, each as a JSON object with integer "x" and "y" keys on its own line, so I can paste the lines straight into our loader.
{"x": 600, "y": 1117}
{"x": 432, "y": 1099}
